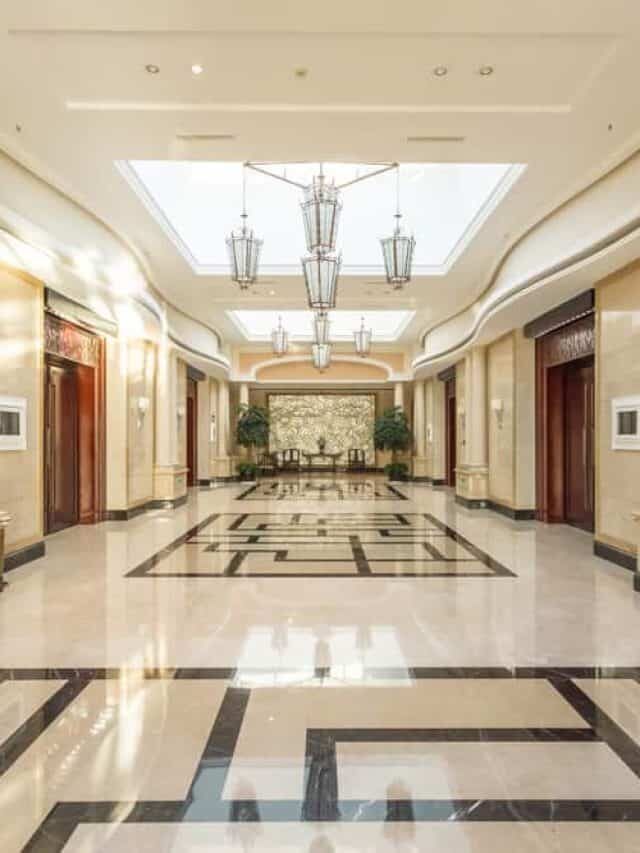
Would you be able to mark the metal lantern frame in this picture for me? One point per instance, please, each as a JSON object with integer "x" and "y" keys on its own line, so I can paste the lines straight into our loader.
{"x": 397, "y": 250}
{"x": 321, "y": 280}
{"x": 321, "y": 215}
{"x": 321, "y": 356}
{"x": 362, "y": 340}
{"x": 244, "y": 247}
{"x": 280, "y": 339}
{"x": 321, "y": 329}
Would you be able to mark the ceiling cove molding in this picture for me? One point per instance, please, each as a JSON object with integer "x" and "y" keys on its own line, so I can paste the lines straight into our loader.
{"x": 629, "y": 241}
{"x": 250, "y": 376}
{"x": 481, "y": 313}
{"x": 22, "y": 162}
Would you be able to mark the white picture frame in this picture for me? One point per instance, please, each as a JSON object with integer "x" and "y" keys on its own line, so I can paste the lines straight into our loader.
{"x": 625, "y": 423}
{"x": 13, "y": 423}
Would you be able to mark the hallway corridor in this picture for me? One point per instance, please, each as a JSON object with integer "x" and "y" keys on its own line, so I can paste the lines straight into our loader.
{"x": 367, "y": 662}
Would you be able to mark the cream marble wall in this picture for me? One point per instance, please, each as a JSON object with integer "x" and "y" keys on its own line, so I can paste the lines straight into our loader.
{"x": 141, "y": 366}
{"x": 511, "y": 381}
{"x": 617, "y": 375}
{"x": 181, "y": 405}
{"x": 461, "y": 414}
{"x": 501, "y": 388}
{"x": 21, "y": 375}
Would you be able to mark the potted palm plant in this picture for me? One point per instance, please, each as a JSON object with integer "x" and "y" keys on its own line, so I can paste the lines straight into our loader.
{"x": 391, "y": 432}
{"x": 252, "y": 432}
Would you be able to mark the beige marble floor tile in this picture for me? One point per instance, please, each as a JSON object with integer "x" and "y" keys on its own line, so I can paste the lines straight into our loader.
{"x": 269, "y": 756}
{"x": 118, "y": 740}
{"x": 494, "y": 771}
{"x": 19, "y": 700}
{"x": 357, "y": 838}
{"x": 619, "y": 698}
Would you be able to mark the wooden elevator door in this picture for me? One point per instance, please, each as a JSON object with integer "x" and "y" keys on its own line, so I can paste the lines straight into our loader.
{"x": 61, "y": 447}
{"x": 192, "y": 432}
{"x": 579, "y": 443}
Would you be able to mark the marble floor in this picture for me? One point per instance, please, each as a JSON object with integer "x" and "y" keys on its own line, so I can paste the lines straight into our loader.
{"x": 320, "y": 664}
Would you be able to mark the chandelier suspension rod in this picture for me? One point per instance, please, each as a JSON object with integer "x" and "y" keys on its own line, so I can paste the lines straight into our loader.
{"x": 260, "y": 167}
{"x": 380, "y": 171}
{"x": 274, "y": 175}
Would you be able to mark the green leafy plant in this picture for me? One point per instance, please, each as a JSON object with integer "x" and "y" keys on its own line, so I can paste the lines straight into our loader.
{"x": 391, "y": 432}
{"x": 252, "y": 430}
{"x": 396, "y": 471}
{"x": 247, "y": 470}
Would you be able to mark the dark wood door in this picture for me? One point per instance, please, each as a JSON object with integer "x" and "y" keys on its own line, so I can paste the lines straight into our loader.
{"x": 192, "y": 432}
{"x": 61, "y": 447}
{"x": 451, "y": 435}
{"x": 579, "y": 443}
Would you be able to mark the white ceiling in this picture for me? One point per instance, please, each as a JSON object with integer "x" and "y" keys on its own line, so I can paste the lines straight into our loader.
{"x": 562, "y": 99}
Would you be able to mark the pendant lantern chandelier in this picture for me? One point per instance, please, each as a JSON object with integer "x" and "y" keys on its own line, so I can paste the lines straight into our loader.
{"x": 321, "y": 214}
{"x": 398, "y": 249}
{"x": 362, "y": 340}
{"x": 280, "y": 339}
{"x": 321, "y": 280}
{"x": 244, "y": 247}
{"x": 321, "y": 355}
{"x": 321, "y": 326}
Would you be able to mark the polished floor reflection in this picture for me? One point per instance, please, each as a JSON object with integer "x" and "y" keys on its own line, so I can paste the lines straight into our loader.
{"x": 367, "y": 672}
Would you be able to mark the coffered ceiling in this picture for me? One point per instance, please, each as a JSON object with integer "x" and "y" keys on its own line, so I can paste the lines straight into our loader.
{"x": 345, "y": 82}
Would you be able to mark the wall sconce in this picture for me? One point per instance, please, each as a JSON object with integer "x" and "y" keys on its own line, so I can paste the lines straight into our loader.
{"x": 181, "y": 412}
{"x": 429, "y": 433}
{"x": 142, "y": 407}
{"x": 497, "y": 406}
{"x": 462, "y": 424}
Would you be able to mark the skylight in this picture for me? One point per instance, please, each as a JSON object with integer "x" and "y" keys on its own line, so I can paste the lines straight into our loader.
{"x": 197, "y": 203}
{"x": 257, "y": 325}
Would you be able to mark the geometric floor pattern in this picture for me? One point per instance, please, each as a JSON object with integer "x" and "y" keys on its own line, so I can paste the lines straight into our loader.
{"x": 290, "y": 707}
{"x": 321, "y": 545}
{"x": 531, "y": 745}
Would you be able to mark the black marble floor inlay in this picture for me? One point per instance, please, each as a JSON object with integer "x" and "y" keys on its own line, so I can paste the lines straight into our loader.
{"x": 320, "y": 796}
{"x": 368, "y": 545}
{"x": 307, "y": 489}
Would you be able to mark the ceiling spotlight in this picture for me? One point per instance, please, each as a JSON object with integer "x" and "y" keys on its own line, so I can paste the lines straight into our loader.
{"x": 440, "y": 70}
{"x": 485, "y": 70}
{"x": 152, "y": 69}
{"x": 197, "y": 69}
{"x": 301, "y": 73}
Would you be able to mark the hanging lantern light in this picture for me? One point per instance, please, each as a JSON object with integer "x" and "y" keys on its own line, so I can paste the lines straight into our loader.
{"x": 280, "y": 339}
{"x": 321, "y": 213}
{"x": 397, "y": 250}
{"x": 321, "y": 280}
{"x": 321, "y": 326}
{"x": 244, "y": 247}
{"x": 362, "y": 340}
{"x": 321, "y": 355}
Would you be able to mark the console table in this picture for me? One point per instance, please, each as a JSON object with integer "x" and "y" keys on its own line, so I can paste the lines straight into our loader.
{"x": 332, "y": 457}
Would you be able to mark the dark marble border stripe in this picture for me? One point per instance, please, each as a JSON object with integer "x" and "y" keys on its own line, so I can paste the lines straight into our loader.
{"x": 18, "y": 742}
{"x": 609, "y": 731}
{"x": 145, "y": 566}
{"x": 417, "y": 673}
{"x": 511, "y": 512}
{"x": 478, "y": 553}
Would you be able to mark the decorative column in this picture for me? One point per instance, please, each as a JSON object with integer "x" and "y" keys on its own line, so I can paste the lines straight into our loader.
{"x": 436, "y": 429}
{"x": 398, "y": 395}
{"x": 223, "y": 462}
{"x": 169, "y": 472}
{"x": 419, "y": 435}
{"x": 472, "y": 472}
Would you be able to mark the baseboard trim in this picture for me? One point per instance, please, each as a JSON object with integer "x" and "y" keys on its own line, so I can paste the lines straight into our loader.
{"x": 421, "y": 479}
{"x": 206, "y": 481}
{"x": 511, "y": 512}
{"x": 169, "y": 503}
{"x": 438, "y": 481}
{"x": 472, "y": 503}
{"x": 126, "y": 514}
{"x": 24, "y": 555}
{"x": 617, "y": 556}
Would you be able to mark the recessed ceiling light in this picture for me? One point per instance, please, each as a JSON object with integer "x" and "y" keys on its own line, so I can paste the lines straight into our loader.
{"x": 301, "y": 72}
{"x": 197, "y": 69}
{"x": 272, "y": 293}
{"x": 485, "y": 70}
{"x": 152, "y": 69}
{"x": 440, "y": 70}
